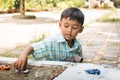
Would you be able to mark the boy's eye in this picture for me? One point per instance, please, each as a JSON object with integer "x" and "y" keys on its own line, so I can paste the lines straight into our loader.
{"x": 75, "y": 27}
{"x": 65, "y": 26}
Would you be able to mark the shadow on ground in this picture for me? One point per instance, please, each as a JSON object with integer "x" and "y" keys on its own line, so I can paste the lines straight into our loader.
{"x": 38, "y": 20}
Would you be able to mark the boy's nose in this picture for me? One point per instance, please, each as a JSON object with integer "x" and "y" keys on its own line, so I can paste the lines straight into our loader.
{"x": 69, "y": 30}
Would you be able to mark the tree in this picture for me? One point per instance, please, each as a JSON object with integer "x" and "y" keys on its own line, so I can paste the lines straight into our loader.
{"x": 17, "y": 4}
{"x": 91, "y": 3}
{"x": 22, "y": 7}
{"x": 22, "y": 12}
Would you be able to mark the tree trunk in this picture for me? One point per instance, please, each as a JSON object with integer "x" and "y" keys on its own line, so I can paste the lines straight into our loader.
{"x": 54, "y": 3}
{"x": 91, "y": 3}
{"x": 22, "y": 7}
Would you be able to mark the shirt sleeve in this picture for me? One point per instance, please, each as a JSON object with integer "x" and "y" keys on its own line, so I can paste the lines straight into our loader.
{"x": 80, "y": 50}
{"x": 40, "y": 50}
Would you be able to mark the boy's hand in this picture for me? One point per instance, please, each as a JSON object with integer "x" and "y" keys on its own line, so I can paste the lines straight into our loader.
{"x": 78, "y": 59}
{"x": 20, "y": 64}
{"x": 75, "y": 58}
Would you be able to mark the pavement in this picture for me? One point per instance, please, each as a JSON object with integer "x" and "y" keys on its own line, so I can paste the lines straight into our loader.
{"x": 101, "y": 41}
{"x": 102, "y": 44}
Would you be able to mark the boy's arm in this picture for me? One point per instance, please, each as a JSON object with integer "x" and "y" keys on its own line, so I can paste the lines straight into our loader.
{"x": 27, "y": 51}
{"x": 21, "y": 62}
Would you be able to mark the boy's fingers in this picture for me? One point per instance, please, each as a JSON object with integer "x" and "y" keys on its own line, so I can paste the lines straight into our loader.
{"x": 17, "y": 64}
{"x": 77, "y": 58}
{"x": 22, "y": 67}
{"x": 20, "y": 64}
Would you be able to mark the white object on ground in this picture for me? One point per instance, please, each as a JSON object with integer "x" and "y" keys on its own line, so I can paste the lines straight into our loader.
{"x": 23, "y": 72}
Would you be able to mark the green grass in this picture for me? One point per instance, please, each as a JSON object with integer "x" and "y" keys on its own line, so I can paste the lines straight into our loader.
{"x": 115, "y": 44}
{"x": 90, "y": 44}
{"x": 112, "y": 16}
{"x": 87, "y": 61}
{"x": 15, "y": 53}
{"x": 40, "y": 38}
{"x": 8, "y": 53}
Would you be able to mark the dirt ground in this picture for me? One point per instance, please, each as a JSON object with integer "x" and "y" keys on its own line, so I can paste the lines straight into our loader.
{"x": 44, "y": 72}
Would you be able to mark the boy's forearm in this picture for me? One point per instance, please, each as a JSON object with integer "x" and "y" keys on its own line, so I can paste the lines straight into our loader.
{"x": 27, "y": 51}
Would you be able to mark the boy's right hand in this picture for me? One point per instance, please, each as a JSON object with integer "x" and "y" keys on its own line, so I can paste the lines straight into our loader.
{"x": 20, "y": 63}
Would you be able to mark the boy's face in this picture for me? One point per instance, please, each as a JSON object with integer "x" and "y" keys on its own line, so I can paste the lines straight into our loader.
{"x": 70, "y": 28}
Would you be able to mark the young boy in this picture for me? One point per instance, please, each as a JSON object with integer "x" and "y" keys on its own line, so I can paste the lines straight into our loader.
{"x": 62, "y": 47}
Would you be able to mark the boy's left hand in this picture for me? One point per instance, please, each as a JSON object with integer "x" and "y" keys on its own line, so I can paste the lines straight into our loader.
{"x": 78, "y": 59}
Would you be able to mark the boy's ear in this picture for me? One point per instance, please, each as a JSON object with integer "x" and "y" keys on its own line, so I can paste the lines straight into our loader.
{"x": 59, "y": 24}
{"x": 81, "y": 29}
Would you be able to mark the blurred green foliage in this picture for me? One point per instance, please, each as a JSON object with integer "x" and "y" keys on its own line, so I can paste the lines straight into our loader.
{"x": 41, "y": 4}
{"x": 4, "y": 4}
{"x": 17, "y": 4}
{"x": 115, "y": 0}
{"x": 71, "y": 3}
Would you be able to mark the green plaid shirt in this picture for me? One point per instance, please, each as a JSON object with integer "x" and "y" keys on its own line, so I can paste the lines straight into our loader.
{"x": 56, "y": 48}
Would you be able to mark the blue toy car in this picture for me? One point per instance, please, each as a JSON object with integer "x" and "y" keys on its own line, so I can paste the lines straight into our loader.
{"x": 93, "y": 71}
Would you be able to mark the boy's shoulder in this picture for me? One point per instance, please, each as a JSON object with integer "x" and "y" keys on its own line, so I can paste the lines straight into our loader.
{"x": 77, "y": 42}
{"x": 57, "y": 38}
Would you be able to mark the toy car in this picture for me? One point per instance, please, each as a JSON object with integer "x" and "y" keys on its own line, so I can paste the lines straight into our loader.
{"x": 93, "y": 71}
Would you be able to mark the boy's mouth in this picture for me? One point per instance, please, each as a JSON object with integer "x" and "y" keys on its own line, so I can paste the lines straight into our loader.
{"x": 68, "y": 35}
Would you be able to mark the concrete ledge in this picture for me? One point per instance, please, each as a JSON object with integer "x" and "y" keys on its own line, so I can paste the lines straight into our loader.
{"x": 36, "y": 63}
{"x": 7, "y": 60}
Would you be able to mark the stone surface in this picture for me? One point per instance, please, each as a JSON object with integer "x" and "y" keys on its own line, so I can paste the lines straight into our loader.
{"x": 77, "y": 72}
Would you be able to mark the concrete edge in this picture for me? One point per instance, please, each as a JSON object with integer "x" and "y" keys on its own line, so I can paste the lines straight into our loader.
{"x": 36, "y": 63}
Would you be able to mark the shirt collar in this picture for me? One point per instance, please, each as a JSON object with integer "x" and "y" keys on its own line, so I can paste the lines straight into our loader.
{"x": 75, "y": 46}
{"x": 60, "y": 38}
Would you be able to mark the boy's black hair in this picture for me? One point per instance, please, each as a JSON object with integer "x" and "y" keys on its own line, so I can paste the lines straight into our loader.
{"x": 73, "y": 13}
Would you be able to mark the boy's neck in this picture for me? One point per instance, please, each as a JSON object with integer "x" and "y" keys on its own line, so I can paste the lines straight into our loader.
{"x": 70, "y": 43}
